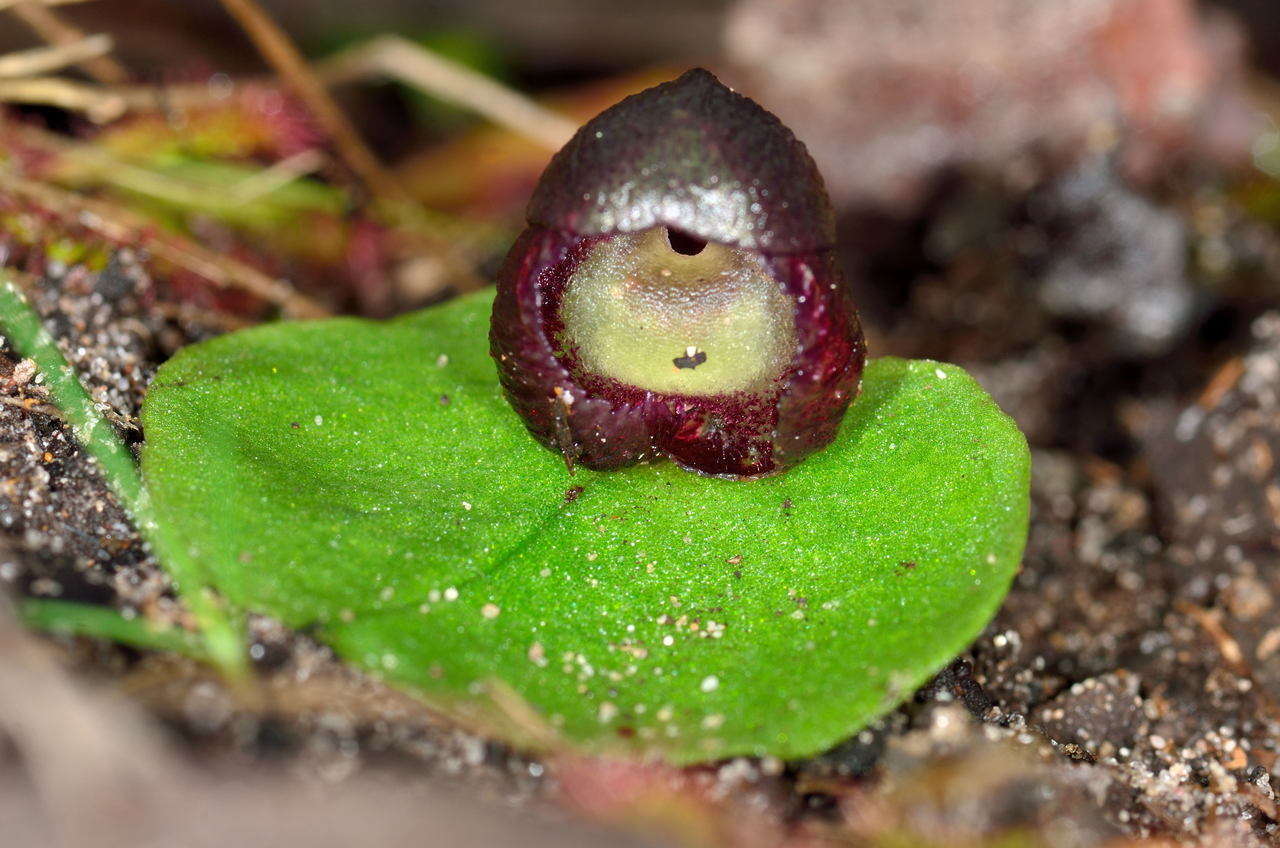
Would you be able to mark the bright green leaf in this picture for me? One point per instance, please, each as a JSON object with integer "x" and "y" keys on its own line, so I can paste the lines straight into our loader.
{"x": 370, "y": 481}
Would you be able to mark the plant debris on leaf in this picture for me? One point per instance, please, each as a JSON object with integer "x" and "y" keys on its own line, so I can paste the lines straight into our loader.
{"x": 368, "y": 480}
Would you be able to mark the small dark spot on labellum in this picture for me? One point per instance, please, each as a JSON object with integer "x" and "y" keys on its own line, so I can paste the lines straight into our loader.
{"x": 692, "y": 358}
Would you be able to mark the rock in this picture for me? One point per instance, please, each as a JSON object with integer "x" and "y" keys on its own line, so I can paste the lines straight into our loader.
{"x": 953, "y": 781}
{"x": 1116, "y": 259}
{"x": 1214, "y": 462}
{"x": 1214, "y": 469}
{"x": 1103, "y": 714}
{"x": 888, "y": 94}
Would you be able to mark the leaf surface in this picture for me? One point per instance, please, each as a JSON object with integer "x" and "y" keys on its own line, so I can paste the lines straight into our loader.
{"x": 368, "y": 480}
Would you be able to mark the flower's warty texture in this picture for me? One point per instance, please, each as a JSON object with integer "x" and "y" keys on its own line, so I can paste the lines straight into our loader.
{"x": 675, "y": 294}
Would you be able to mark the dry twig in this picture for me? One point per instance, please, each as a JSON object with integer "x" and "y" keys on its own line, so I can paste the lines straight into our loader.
{"x": 9, "y": 4}
{"x": 32, "y": 405}
{"x": 43, "y": 60}
{"x": 395, "y": 204}
{"x": 414, "y": 65}
{"x": 50, "y": 26}
{"x": 394, "y": 58}
{"x": 99, "y": 106}
{"x": 277, "y": 176}
{"x": 276, "y": 47}
{"x": 189, "y": 313}
{"x": 1210, "y": 621}
{"x": 1222, "y": 382}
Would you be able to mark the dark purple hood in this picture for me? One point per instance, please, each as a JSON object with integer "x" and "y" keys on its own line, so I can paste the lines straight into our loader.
{"x": 695, "y": 156}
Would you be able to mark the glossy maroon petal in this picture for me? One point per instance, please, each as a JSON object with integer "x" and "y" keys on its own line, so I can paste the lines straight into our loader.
{"x": 655, "y": 160}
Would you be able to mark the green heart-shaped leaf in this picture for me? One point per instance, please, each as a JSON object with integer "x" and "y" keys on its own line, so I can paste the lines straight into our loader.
{"x": 369, "y": 480}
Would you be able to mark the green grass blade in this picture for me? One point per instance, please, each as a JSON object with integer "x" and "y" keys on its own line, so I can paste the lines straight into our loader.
{"x": 29, "y": 337}
{"x": 74, "y": 619}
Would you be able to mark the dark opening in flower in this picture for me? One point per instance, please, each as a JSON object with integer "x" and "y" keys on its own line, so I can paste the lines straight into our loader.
{"x": 675, "y": 293}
